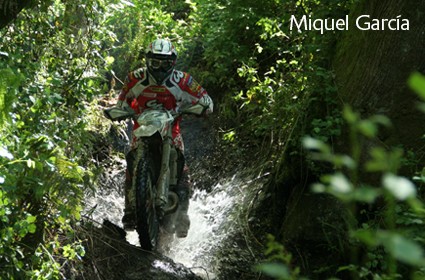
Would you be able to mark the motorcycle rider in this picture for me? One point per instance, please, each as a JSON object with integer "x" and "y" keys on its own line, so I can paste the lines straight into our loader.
{"x": 155, "y": 86}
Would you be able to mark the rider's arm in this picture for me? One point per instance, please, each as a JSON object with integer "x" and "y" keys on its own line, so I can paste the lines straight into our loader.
{"x": 126, "y": 97}
{"x": 193, "y": 88}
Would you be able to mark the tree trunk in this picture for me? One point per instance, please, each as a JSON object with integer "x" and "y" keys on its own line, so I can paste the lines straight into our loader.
{"x": 372, "y": 68}
{"x": 9, "y": 9}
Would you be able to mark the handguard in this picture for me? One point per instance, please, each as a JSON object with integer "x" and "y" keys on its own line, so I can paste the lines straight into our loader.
{"x": 117, "y": 114}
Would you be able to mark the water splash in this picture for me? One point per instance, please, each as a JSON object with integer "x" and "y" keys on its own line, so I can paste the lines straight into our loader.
{"x": 210, "y": 215}
{"x": 106, "y": 204}
{"x": 211, "y": 222}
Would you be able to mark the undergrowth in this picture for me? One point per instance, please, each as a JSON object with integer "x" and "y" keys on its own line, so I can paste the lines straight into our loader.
{"x": 389, "y": 243}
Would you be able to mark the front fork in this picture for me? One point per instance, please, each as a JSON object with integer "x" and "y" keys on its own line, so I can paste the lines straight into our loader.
{"x": 167, "y": 176}
{"x": 164, "y": 174}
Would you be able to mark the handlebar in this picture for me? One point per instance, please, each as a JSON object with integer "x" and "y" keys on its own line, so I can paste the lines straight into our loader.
{"x": 119, "y": 114}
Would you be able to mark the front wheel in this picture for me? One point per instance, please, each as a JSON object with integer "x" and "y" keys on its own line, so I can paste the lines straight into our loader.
{"x": 147, "y": 224}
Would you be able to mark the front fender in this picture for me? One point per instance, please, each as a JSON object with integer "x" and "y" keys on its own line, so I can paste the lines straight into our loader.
{"x": 153, "y": 121}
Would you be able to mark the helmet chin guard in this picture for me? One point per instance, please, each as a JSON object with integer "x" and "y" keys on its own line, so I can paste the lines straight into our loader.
{"x": 161, "y": 58}
{"x": 160, "y": 76}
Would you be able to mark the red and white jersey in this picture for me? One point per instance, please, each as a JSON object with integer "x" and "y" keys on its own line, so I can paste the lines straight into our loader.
{"x": 141, "y": 92}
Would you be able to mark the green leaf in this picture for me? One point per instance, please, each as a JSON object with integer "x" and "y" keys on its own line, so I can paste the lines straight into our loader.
{"x": 32, "y": 228}
{"x": 381, "y": 119}
{"x": 349, "y": 115}
{"x": 31, "y": 219}
{"x": 402, "y": 249}
{"x": 366, "y": 236}
{"x": 109, "y": 60}
{"x": 23, "y": 231}
{"x": 62, "y": 220}
{"x": 344, "y": 160}
{"x": 366, "y": 194}
{"x": 315, "y": 144}
{"x": 368, "y": 128}
{"x": 274, "y": 270}
{"x": 417, "y": 83}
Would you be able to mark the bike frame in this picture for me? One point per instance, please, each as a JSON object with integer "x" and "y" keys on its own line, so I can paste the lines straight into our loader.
{"x": 151, "y": 122}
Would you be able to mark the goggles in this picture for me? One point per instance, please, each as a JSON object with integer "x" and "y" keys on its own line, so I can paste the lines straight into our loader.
{"x": 163, "y": 64}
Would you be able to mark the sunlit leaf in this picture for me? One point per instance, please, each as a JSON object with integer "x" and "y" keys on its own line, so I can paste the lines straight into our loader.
{"x": 31, "y": 219}
{"x": 340, "y": 184}
{"x": 400, "y": 187}
{"x": 318, "y": 188}
{"x": 30, "y": 163}
{"x": 315, "y": 145}
{"x": 109, "y": 60}
{"x": 344, "y": 160}
{"x": 128, "y": 3}
{"x": 5, "y": 153}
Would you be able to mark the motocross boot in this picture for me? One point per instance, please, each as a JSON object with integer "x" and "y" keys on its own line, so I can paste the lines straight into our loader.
{"x": 182, "y": 222}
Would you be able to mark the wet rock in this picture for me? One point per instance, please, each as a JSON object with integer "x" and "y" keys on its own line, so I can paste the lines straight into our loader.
{"x": 110, "y": 256}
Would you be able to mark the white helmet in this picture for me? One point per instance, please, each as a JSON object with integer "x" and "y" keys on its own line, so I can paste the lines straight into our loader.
{"x": 161, "y": 57}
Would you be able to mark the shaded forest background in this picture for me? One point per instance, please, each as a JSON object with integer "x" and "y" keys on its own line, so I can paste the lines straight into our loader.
{"x": 336, "y": 119}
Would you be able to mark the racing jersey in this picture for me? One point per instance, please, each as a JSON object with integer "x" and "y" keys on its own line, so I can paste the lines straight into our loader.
{"x": 180, "y": 89}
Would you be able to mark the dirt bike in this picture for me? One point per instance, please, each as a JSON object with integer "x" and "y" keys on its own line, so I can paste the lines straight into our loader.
{"x": 154, "y": 169}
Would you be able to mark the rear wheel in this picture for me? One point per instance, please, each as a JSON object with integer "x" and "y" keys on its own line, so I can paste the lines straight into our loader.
{"x": 147, "y": 224}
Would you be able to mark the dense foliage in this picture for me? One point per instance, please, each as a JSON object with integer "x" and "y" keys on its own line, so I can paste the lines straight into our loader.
{"x": 51, "y": 69}
{"x": 272, "y": 87}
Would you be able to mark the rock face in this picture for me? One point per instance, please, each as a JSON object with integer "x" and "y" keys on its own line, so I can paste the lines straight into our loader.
{"x": 372, "y": 68}
{"x": 110, "y": 256}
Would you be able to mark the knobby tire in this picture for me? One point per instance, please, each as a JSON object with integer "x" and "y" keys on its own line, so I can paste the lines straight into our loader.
{"x": 147, "y": 225}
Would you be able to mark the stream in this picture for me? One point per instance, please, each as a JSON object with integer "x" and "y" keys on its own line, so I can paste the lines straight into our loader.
{"x": 210, "y": 215}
